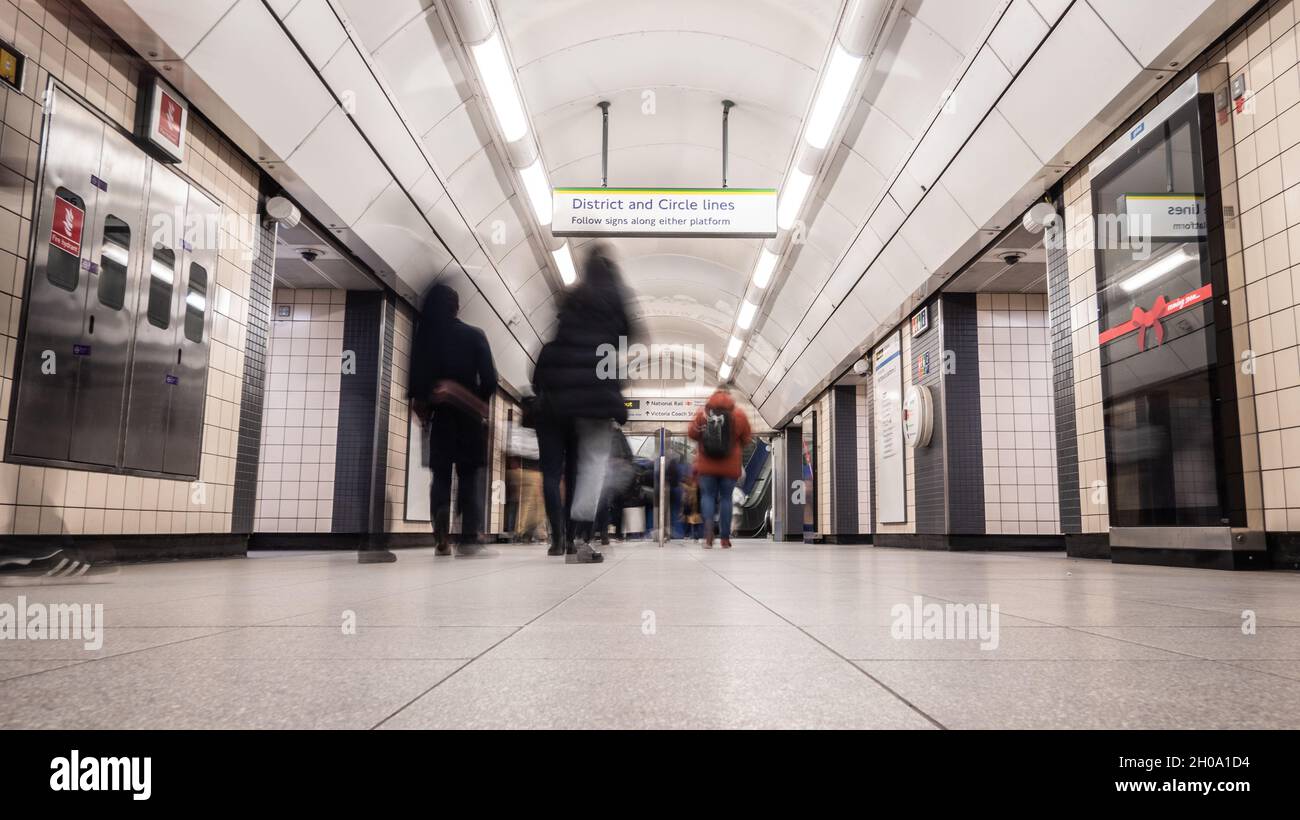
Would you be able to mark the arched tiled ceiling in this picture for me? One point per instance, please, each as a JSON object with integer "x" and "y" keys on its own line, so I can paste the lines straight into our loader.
{"x": 665, "y": 68}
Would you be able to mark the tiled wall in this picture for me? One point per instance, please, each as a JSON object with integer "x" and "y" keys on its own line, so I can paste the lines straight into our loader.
{"x": 1016, "y": 413}
{"x": 295, "y": 487}
{"x": 399, "y": 413}
{"x": 1088, "y": 422}
{"x": 962, "y": 420}
{"x": 1265, "y": 276}
{"x": 1067, "y": 441}
{"x": 928, "y": 463}
{"x": 844, "y": 400}
{"x": 862, "y": 395}
{"x": 825, "y": 455}
{"x": 65, "y": 41}
{"x": 1261, "y": 184}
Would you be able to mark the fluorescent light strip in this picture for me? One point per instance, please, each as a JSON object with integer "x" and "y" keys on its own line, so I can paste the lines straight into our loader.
{"x": 746, "y": 316}
{"x": 763, "y": 268}
{"x": 828, "y": 105}
{"x": 539, "y": 191}
{"x": 724, "y": 372}
{"x": 564, "y": 261}
{"x": 792, "y": 196}
{"x": 733, "y": 347}
{"x": 1160, "y": 267}
{"x": 499, "y": 85}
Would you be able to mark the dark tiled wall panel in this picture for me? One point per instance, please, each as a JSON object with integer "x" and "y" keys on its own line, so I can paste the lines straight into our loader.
{"x": 845, "y": 427}
{"x": 1067, "y": 442}
{"x": 931, "y": 513}
{"x": 961, "y": 399}
{"x": 248, "y": 448}
{"x": 354, "y": 477}
{"x": 379, "y": 479}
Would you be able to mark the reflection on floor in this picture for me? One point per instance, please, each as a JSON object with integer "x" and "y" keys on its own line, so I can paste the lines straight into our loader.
{"x": 762, "y": 635}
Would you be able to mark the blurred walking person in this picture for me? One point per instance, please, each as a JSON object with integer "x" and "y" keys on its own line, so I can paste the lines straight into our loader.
{"x": 722, "y": 430}
{"x": 452, "y": 380}
{"x": 579, "y": 399}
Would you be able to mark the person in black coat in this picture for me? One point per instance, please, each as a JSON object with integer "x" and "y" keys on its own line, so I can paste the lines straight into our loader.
{"x": 452, "y": 379}
{"x": 578, "y": 382}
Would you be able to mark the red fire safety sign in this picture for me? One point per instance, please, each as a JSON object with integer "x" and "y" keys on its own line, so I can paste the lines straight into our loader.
{"x": 65, "y": 231}
{"x": 169, "y": 118}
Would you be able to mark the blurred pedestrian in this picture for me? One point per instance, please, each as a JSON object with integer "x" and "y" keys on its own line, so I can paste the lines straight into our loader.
{"x": 579, "y": 399}
{"x": 452, "y": 378}
{"x": 722, "y": 429}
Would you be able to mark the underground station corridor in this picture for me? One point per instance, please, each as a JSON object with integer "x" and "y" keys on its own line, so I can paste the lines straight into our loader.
{"x": 691, "y": 365}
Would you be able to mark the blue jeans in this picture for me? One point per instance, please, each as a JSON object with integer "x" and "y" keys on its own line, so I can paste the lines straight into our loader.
{"x": 715, "y": 496}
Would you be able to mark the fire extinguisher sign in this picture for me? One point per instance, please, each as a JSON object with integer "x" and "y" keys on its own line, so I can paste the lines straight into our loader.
{"x": 65, "y": 231}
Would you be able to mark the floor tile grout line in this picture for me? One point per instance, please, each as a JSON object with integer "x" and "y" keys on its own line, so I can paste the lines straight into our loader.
{"x": 220, "y": 631}
{"x": 505, "y": 638}
{"x": 813, "y": 638}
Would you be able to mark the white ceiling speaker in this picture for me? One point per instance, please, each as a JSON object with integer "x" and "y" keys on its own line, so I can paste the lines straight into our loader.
{"x": 1041, "y": 216}
{"x": 280, "y": 211}
{"x": 861, "y": 367}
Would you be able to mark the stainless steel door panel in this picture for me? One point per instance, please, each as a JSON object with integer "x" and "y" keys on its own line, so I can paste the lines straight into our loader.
{"x": 154, "y": 346}
{"x": 193, "y": 322}
{"x": 115, "y": 249}
{"x": 51, "y": 354}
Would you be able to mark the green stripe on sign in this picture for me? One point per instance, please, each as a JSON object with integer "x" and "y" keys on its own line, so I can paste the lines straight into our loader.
{"x": 664, "y": 190}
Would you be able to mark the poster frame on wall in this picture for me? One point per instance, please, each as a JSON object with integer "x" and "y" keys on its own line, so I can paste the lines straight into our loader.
{"x": 889, "y": 447}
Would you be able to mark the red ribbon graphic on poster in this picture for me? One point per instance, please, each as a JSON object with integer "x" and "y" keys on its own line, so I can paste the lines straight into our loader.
{"x": 65, "y": 230}
{"x": 1151, "y": 319}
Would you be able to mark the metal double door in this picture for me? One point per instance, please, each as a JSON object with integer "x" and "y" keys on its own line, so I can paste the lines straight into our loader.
{"x": 79, "y": 378}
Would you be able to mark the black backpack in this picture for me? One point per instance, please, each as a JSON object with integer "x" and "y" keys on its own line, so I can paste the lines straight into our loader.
{"x": 715, "y": 439}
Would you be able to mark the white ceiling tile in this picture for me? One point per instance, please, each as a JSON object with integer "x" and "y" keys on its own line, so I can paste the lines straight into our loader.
{"x": 271, "y": 88}
{"x": 980, "y": 86}
{"x": 374, "y": 22}
{"x": 1017, "y": 34}
{"x": 339, "y": 167}
{"x": 316, "y": 28}
{"x": 351, "y": 78}
{"x": 937, "y": 228}
{"x": 981, "y": 185}
{"x": 479, "y": 186}
{"x": 420, "y": 67}
{"x": 1048, "y": 106}
{"x": 181, "y": 26}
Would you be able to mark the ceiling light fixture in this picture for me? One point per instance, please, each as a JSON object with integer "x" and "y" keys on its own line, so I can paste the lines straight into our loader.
{"x": 724, "y": 371}
{"x": 793, "y": 194}
{"x": 733, "y": 347}
{"x": 564, "y": 261}
{"x": 828, "y": 105}
{"x": 499, "y": 85}
{"x": 1155, "y": 270}
{"x": 539, "y": 191}
{"x": 746, "y": 316}
{"x": 763, "y": 268}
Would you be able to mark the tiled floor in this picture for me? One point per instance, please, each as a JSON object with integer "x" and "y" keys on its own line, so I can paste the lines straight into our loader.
{"x": 760, "y": 636}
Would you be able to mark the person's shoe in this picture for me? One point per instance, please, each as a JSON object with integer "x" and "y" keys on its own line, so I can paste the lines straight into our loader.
{"x": 583, "y": 554}
{"x": 442, "y": 549}
{"x": 708, "y": 543}
{"x": 726, "y": 543}
{"x": 473, "y": 549}
{"x": 604, "y": 539}
{"x": 373, "y": 556}
{"x": 570, "y": 547}
{"x": 57, "y": 565}
{"x": 556, "y": 548}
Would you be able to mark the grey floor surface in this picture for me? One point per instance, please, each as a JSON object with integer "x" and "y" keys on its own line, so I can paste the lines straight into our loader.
{"x": 760, "y": 636}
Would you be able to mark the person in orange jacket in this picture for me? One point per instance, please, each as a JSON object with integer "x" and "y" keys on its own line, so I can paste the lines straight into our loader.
{"x": 722, "y": 429}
